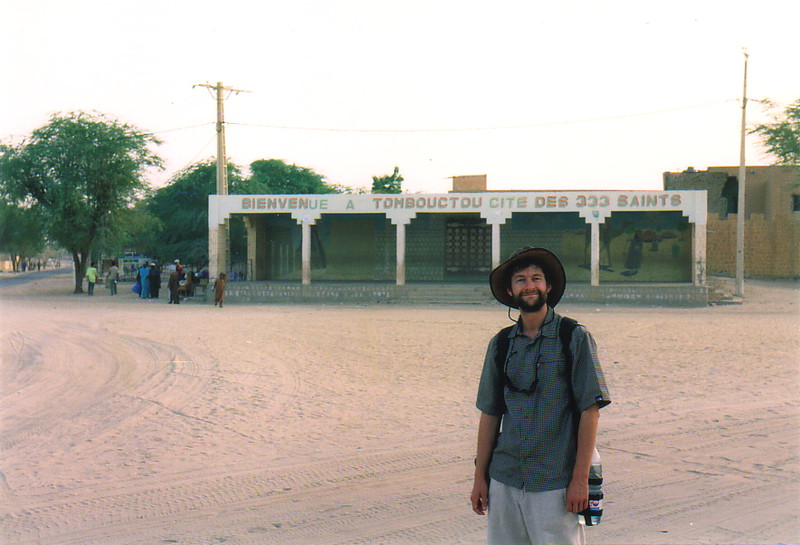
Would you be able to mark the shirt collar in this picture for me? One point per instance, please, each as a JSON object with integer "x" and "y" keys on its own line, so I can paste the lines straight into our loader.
{"x": 548, "y": 328}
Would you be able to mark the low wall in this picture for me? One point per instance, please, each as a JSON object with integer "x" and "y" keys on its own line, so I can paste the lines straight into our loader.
{"x": 771, "y": 247}
{"x": 667, "y": 295}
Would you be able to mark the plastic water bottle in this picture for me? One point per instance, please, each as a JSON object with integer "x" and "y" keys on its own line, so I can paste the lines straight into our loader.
{"x": 591, "y": 515}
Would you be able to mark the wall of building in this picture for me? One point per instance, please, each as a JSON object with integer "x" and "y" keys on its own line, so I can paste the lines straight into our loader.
{"x": 425, "y": 248}
{"x": 469, "y": 184}
{"x": 771, "y": 248}
{"x": 352, "y": 247}
{"x": 772, "y": 226}
{"x": 685, "y": 295}
{"x": 768, "y": 189}
{"x": 722, "y": 192}
{"x": 457, "y": 247}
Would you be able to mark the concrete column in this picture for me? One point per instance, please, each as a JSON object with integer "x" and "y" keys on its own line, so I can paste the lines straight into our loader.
{"x": 218, "y": 241}
{"x": 595, "y": 280}
{"x": 699, "y": 254}
{"x": 400, "y": 274}
{"x": 305, "y": 252}
{"x": 496, "y": 218}
{"x": 696, "y": 211}
{"x": 252, "y": 247}
{"x": 213, "y": 252}
{"x": 218, "y": 250}
{"x": 400, "y": 218}
{"x": 495, "y": 245}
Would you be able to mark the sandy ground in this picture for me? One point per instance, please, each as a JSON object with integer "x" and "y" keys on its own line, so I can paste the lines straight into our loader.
{"x": 137, "y": 422}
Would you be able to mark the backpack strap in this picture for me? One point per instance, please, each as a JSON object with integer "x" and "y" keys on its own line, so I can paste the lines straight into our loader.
{"x": 503, "y": 344}
{"x": 565, "y": 329}
{"x": 500, "y": 355}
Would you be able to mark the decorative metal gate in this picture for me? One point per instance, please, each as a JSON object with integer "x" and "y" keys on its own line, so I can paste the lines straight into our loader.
{"x": 468, "y": 247}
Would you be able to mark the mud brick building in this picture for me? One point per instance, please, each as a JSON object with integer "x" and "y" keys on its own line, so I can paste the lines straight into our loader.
{"x": 772, "y": 218}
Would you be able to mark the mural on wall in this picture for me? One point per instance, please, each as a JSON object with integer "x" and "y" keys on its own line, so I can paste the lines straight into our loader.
{"x": 634, "y": 246}
{"x": 350, "y": 247}
{"x": 642, "y": 247}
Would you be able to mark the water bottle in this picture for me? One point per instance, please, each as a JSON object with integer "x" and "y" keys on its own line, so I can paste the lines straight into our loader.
{"x": 591, "y": 515}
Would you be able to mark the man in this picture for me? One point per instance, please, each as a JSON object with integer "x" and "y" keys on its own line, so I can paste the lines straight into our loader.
{"x": 155, "y": 280}
{"x": 91, "y": 277}
{"x": 144, "y": 281}
{"x": 113, "y": 277}
{"x": 533, "y": 477}
{"x": 173, "y": 285}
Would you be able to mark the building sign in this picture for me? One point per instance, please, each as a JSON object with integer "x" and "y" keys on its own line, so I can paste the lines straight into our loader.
{"x": 470, "y": 203}
{"x": 597, "y": 204}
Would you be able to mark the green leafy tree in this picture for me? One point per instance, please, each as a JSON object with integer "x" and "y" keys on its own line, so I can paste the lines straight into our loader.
{"x": 78, "y": 170}
{"x": 275, "y": 177}
{"x": 390, "y": 183}
{"x": 21, "y": 233}
{"x": 181, "y": 208}
{"x": 781, "y": 136}
{"x": 133, "y": 227}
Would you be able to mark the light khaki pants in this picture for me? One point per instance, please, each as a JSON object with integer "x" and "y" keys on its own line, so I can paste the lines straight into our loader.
{"x": 517, "y": 517}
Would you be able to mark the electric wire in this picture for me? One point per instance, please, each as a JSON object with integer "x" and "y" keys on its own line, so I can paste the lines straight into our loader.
{"x": 487, "y": 128}
{"x": 181, "y": 128}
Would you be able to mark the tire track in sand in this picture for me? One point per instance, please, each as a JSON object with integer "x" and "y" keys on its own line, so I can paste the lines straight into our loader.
{"x": 327, "y": 502}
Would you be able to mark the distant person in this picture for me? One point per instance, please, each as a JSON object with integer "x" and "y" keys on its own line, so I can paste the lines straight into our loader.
{"x": 219, "y": 290}
{"x": 144, "y": 280}
{"x": 173, "y": 285}
{"x": 188, "y": 283}
{"x": 178, "y": 267}
{"x": 533, "y": 478}
{"x": 155, "y": 281}
{"x": 112, "y": 278}
{"x": 91, "y": 277}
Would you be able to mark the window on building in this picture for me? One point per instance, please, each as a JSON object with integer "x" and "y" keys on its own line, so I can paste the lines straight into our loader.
{"x": 730, "y": 191}
{"x": 796, "y": 203}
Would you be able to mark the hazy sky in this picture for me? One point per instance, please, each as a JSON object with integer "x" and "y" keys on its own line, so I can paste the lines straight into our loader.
{"x": 537, "y": 95}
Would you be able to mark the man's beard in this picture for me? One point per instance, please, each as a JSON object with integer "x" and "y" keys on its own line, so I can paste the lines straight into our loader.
{"x": 536, "y": 306}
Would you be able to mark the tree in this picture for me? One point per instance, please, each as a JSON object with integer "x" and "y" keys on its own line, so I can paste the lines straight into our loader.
{"x": 782, "y": 136}
{"x": 275, "y": 177}
{"x": 182, "y": 209}
{"x": 21, "y": 233}
{"x": 133, "y": 227}
{"x": 79, "y": 170}
{"x": 391, "y": 183}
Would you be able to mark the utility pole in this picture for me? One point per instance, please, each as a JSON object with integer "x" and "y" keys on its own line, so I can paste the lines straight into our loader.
{"x": 741, "y": 205}
{"x": 219, "y": 239}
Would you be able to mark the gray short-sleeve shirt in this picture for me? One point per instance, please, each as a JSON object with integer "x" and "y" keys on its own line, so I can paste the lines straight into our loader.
{"x": 537, "y": 447}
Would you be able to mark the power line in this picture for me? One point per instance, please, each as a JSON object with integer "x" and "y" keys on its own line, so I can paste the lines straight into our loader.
{"x": 488, "y": 128}
{"x": 138, "y": 133}
{"x": 180, "y": 128}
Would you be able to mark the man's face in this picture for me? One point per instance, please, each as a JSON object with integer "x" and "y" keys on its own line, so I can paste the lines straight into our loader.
{"x": 529, "y": 288}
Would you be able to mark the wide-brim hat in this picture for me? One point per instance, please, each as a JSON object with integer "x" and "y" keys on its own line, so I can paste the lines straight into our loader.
{"x": 499, "y": 279}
